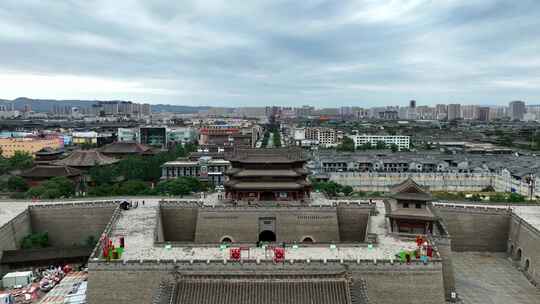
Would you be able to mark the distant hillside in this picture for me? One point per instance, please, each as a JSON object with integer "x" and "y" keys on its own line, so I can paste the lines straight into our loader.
{"x": 47, "y": 105}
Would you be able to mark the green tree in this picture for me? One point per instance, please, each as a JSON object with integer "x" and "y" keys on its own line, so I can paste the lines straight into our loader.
{"x": 380, "y": 145}
{"x": 497, "y": 197}
{"x": 394, "y": 148}
{"x": 515, "y": 198}
{"x": 65, "y": 186}
{"x": 35, "y": 192}
{"x": 35, "y": 240}
{"x": 103, "y": 190}
{"x": 347, "y": 190}
{"x": 346, "y": 145}
{"x": 56, "y": 187}
{"x": 5, "y": 166}
{"x": 277, "y": 138}
{"x": 133, "y": 187}
{"x": 366, "y": 146}
{"x": 535, "y": 141}
{"x": 17, "y": 183}
{"x": 21, "y": 160}
{"x": 102, "y": 175}
{"x": 180, "y": 186}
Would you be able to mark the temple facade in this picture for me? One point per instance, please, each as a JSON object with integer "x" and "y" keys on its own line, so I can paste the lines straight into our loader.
{"x": 267, "y": 175}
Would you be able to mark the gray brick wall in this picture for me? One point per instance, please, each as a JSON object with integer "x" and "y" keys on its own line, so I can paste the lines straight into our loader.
{"x": 476, "y": 230}
{"x": 526, "y": 238}
{"x": 12, "y": 233}
{"x": 409, "y": 284}
{"x": 352, "y": 223}
{"x": 179, "y": 224}
{"x": 69, "y": 225}
{"x": 290, "y": 225}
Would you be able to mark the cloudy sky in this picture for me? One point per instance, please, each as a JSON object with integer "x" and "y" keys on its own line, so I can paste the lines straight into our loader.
{"x": 256, "y": 53}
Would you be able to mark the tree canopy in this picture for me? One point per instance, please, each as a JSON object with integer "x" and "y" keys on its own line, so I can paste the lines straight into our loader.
{"x": 347, "y": 144}
{"x": 332, "y": 188}
{"x": 19, "y": 161}
{"x": 56, "y": 187}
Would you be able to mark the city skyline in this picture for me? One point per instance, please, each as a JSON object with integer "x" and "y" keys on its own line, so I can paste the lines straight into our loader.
{"x": 325, "y": 54}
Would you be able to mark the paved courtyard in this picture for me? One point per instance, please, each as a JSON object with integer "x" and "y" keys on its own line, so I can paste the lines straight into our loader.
{"x": 490, "y": 278}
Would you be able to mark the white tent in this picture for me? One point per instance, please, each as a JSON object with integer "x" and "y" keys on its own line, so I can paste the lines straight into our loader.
{"x": 22, "y": 278}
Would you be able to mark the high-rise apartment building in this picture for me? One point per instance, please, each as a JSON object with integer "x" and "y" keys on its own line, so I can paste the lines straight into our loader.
{"x": 483, "y": 114}
{"x": 442, "y": 111}
{"x": 454, "y": 111}
{"x": 469, "y": 112}
{"x": 516, "y": 110}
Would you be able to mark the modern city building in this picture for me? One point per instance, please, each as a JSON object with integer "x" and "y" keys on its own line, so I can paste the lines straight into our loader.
{"x": 516, "y": 110}
{"x": 401, "y": 141}
{"x": 469, "y": 112}
{"x": 206, "y": 169}
{"x": 153, "y": 136}
{"x": 442, "y": 111}
{"x": 484, "y": 114}
{"x": 326, "y": 137}
{"x": 128, "y": 134}
{"x": 454, "y": 112}
{"x": 9, "y": 146}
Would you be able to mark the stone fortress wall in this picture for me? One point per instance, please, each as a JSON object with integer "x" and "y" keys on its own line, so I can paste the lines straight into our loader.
{"x": 493, "y": 229}
{"x": 436, "y": 181}
{"x": 71, "y": 224}
{"x": 189, "y": 223}
{"x": 12, "y": 233}
{"x": 136, "y": 281}
{"x": 67, "y": 225}
{"x": 471, "y": 228}
{"x": 524, "y": 247}
{"x": 476, "y": 229}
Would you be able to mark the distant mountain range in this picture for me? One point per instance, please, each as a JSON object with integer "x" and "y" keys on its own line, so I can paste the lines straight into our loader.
{"x": 47, "y": 105}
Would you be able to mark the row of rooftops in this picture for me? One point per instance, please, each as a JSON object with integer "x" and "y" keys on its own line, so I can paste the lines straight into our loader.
{"x": 276, "y": 155}
{"x": 517, "y": 165}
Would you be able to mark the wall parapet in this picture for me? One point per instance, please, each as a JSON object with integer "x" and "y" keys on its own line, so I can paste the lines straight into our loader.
{"x": 526, "y": 224}
{"x": 473, "y": 208}
{"x": 157, "y": 264}
{"x": 179, "y": 204}
{"x": 74, "y": 205}
{"x": 107, "y": 232}
{"x": 23, "y": 213}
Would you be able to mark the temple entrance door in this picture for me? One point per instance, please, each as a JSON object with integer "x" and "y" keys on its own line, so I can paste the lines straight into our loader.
{"x": 267, "y": 236}
{"x": 267, "y": 228}
{"x": 267, "y": 196}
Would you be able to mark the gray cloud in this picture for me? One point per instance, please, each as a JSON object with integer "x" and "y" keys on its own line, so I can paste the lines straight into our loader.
{"x": 326, "y": 53}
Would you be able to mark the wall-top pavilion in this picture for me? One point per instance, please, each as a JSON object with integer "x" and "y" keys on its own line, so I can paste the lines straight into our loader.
{"x": 268, "y": 175}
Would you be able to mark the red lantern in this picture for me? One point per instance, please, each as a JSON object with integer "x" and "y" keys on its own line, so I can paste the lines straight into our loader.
{"x": 419, "y": 241}
{"x": 235, "y": 254}
{"x": 429, "y": 251}
{"x": 279, "y": 254}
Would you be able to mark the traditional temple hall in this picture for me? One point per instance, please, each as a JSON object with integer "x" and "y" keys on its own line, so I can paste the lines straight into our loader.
{"x": 268, "y": 175}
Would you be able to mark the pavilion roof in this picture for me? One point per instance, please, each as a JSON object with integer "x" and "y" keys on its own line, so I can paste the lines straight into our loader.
{"x": 126, "y": 148}
{"x": 266, "y": 173}
{"x": 86, "y": 158}
{"x": 410, "y": 190}
{"x": 46, "y": 171}
{"x": 245, "y": 185}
